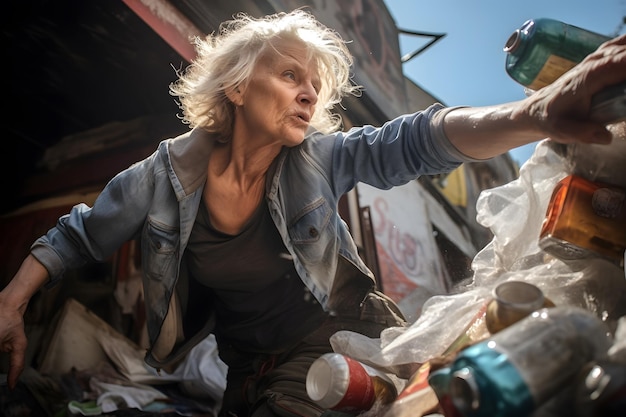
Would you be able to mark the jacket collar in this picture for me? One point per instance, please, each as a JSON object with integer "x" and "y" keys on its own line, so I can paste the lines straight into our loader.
{"x": 189, "y": 156}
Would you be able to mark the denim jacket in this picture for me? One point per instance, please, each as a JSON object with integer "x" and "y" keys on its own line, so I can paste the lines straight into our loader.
{"x": 158, "y": 198}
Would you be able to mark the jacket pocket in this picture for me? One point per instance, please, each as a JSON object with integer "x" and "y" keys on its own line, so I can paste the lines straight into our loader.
{"x": 310, "y": 231}
{"x": 159, "y": 249}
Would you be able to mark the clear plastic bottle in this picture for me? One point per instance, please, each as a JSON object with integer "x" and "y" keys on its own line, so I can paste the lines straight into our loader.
{"x": 524, "y": 365}
{"x": 542, "y": 50}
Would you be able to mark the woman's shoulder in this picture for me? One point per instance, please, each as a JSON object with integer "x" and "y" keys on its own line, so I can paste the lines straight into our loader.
{"x": 317, "y": 143}
{"x": 315, "y": 138}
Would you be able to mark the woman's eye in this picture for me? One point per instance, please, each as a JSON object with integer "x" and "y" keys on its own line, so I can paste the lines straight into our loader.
{"x": 290, "y": 74}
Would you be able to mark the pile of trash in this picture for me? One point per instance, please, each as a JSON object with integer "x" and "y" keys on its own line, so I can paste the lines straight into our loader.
{"x": 436, "y": 343}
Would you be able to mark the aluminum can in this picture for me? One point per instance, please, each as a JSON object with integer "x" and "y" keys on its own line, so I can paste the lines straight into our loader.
{"x": 338, "y": 382}
{"x": 512, "y": 301}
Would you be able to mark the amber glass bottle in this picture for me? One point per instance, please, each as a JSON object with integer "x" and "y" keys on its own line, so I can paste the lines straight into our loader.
{"x": 585, "y": 218}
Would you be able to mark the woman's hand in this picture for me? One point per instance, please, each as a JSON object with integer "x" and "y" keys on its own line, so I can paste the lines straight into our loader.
{"x": 12, "y": 339}
{"x": 562, "y": 110}
{"x": 14, "y": 300}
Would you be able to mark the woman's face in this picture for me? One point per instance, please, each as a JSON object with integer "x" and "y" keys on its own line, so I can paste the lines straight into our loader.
{"x": 277, "y": 103}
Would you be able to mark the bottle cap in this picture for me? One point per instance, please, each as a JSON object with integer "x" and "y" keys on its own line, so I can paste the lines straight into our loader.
{"x": 513, "y": 42}
{"x": 515, "y": 39}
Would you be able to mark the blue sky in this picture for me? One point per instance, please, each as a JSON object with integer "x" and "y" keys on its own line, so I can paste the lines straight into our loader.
{"x": 466, "y": 67}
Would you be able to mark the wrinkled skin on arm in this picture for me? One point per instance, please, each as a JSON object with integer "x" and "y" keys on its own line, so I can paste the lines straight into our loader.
{"x": 559, "y": 111}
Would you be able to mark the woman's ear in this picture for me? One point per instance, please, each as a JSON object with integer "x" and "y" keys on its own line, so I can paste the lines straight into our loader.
{"x": 235, "y": 95}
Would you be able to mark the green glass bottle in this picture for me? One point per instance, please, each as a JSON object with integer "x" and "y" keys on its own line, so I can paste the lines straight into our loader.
{"x": 542, "y": 50}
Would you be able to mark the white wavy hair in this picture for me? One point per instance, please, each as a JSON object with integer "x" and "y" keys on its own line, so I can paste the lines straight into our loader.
{"x": 227, "y": 59}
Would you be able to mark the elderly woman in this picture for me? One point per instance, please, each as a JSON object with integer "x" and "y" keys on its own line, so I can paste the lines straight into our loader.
{"x": 238, "y": 220}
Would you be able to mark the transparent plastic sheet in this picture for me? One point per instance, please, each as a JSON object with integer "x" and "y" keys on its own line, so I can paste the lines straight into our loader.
{"x": 514, "y": 213}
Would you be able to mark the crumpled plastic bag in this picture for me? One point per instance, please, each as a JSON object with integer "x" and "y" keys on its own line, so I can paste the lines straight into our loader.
{"x": 514, "y": 213}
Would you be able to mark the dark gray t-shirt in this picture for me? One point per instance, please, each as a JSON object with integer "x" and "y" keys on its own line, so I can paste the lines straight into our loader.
{"x": 260, "y": 302}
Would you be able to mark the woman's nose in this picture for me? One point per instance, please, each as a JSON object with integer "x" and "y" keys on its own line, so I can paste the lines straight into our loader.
{"x": 308, "y": 95}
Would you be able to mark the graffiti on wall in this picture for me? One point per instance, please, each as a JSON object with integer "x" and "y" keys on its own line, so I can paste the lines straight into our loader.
{"x": 408, "y": 255}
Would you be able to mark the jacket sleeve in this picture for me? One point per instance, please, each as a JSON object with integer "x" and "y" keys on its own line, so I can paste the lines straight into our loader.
{"x": 92, "y": 234}
{"x": 399, "y": 151}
